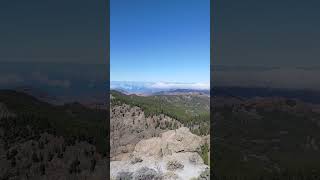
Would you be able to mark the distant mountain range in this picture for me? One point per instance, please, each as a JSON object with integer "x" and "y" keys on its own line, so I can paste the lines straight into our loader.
{"x": 129, "y": 87}
{"x": 151, "y": 88}
{"x": 183, "y": 91}
{"x": 56, "y": 82}
{"x": 305, "y": 95}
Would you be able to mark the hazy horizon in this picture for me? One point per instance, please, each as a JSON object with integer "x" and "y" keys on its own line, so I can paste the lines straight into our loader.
{"x": 283, "y": 77}
{"x": 151, "y": 87}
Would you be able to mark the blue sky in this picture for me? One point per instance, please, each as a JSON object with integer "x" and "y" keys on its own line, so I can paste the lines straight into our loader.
{"x": 266, "y": 33}
{"x": 53, "y": 31}
{"x": 266, "y": 43}
{"x": 160, "y": 40}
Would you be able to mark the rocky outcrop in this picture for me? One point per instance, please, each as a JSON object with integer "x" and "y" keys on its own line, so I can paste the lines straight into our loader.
{"x": 173, "y": 141}
{"x": 174, "y": 154}
{"x": 174, "y": 165}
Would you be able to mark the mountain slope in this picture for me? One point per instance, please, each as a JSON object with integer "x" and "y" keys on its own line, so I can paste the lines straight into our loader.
{"x": 192, "y": 111}
{"x": 70, "y": 120}
{"x": 265, "y": 137}
{"x": 39, "y": 140}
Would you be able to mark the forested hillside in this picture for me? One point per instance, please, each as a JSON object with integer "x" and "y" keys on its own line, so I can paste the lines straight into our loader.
{"x": 266, "y": 137}
{"x": 72, "y": 121}
{"x": 191, "y": 110}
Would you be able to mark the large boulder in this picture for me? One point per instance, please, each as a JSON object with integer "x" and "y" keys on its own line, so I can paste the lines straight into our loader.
{"x": 173, "y": 141}
{"x": 180, "y": 140}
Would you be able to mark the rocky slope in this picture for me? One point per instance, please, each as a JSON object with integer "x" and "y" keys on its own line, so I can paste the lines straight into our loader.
{"x": 172, "y": 155}
{"x": 157, "y": 146}
{"x": 192, "y": 110}
{"x": 129, "y": 125}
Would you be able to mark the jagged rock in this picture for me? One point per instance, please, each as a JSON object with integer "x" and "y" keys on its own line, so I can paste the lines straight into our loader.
{"x": 171, "y": 176}
{"x": 147, "y": 174}
{"x": 168, "y": 143}
{"x": 205, "y": 175}
{"x": 158, "y": 152}
{"x": 136, "y": 160}
{"x": 125, "y": 176}
{"x": 174, "y": 165}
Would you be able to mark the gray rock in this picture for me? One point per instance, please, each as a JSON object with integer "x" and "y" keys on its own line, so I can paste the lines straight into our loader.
{"x": 174, "y": 165}
{"x": 147, "y": 174}
{"x": 125, "y": 176}
{"x": 205, "y": 175}
{"x": 195, "y": 159}
{"x": 136, "y": 160}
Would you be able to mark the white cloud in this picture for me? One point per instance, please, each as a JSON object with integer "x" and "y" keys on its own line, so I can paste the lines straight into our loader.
{"x": 170, "y": 85}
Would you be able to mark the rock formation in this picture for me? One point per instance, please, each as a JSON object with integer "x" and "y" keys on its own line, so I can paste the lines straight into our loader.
{"x": 173, "y": 155}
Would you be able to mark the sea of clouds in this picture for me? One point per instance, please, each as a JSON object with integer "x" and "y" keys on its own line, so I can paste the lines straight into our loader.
{"x": 151, "y": 87}
{"x": 277, "y": 77}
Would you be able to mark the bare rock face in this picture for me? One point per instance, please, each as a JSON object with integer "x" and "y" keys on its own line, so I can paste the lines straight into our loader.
{"x": 147, "y": 173}
{"x": 149, "y": 147}
{"x": 124, "y": 176}
{"x": 171, "y": 176}
{"x": 173, "y": 141}
{"x": 174, "y": 154}
{"x": 136, "y": 160}
{"x": 181, "y": 140}
{"x": 174, "y": 165}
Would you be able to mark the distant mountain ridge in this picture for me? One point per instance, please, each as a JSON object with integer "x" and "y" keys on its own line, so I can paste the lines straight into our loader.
{"x": 251, "y": 92}
{"x": 37, "y": 92}
{"x": 150, "y": 88}
{"x": 183, "y": 91}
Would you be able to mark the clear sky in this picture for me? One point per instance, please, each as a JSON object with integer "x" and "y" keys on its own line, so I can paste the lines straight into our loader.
{"x": 160, "y": 40}
{"x": 267, "y": 43}
{"x": 57, "y": 47}
{"x": 267, "y": 33}
{"x": 53, "y": 31}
